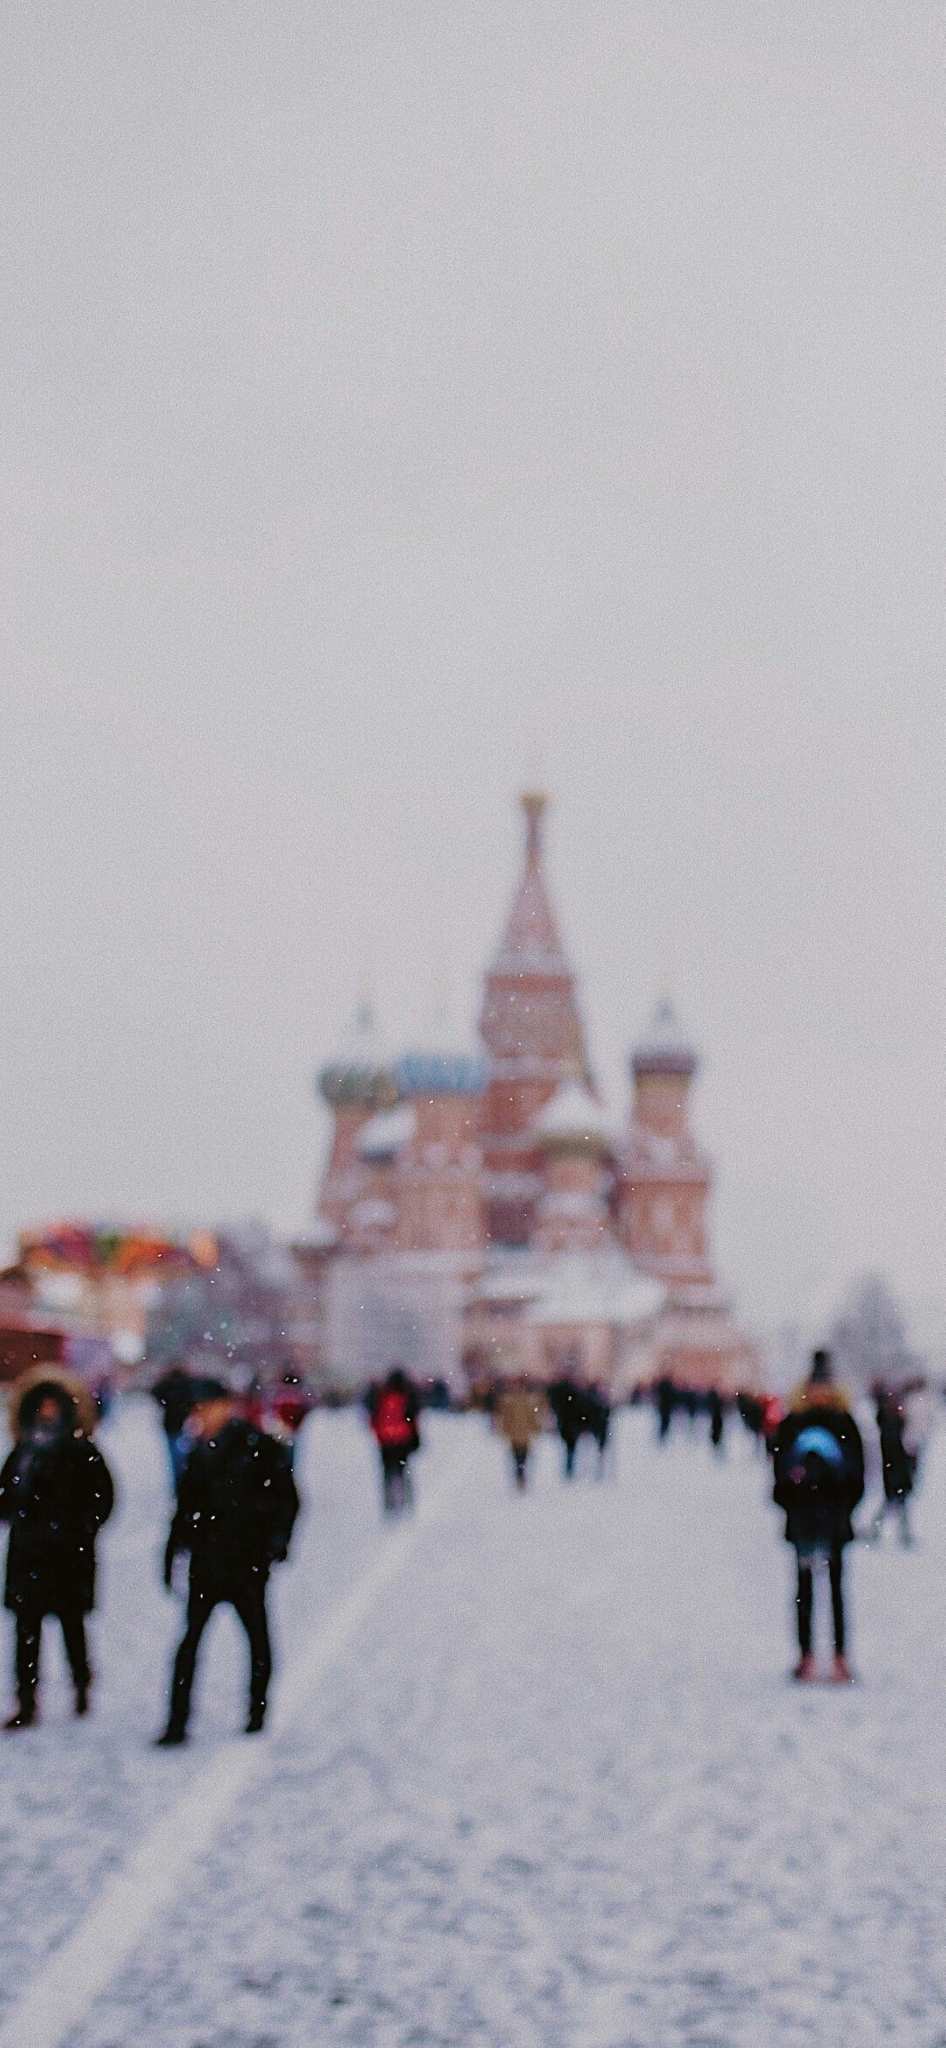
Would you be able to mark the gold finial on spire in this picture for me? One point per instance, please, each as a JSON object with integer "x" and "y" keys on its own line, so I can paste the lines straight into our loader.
{"x": 533, "y": 802}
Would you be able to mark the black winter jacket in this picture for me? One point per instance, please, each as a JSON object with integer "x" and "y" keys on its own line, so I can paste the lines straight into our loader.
{"x": 174, "y": 1392}
{"x": 821, "y": 1515}
{"x": 899, "y": 1466}
{"x": 236, "y": 1506}
{"x": 55, "y": 1496}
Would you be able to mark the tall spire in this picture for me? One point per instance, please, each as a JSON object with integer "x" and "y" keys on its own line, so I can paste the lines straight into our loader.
{"x": 530, "y": 942}
{"x": 532, "y": 1036}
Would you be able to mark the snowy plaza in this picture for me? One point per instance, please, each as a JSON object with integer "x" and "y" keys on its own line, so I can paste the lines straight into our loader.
{"x": 534, "y": 1775}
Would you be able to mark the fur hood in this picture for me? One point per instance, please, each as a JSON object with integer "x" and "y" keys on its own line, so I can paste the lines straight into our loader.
{"x": 52, "y": 1376}
{"x": 815, "y": 1394}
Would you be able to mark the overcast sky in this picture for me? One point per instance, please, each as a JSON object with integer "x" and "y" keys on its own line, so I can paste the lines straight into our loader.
{"x": 403, "y": 401}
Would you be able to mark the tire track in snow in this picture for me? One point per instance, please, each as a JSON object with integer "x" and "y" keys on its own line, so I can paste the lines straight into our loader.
{"x": 85, "y": 1963}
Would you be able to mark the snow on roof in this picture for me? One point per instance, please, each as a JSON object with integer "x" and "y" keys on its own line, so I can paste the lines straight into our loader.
{"x": 655, "y": 1146}
{"x": 385, "y": 1134}
{"x": 321, "y": 1234}
{"x": 511, "y": 1276}
{"x": 572, "y": 1115}
{"x": 596, "y": 1287}
{"x": 601, "y": 1286}
{"x": 573, "y": 1204}
{"x": 374, "y": 1215}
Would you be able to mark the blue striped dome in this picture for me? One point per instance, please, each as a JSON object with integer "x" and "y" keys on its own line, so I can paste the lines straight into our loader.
{"x": 439, "y": 1073}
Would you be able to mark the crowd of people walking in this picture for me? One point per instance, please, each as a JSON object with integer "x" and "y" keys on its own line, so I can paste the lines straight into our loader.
{"x": 522, "y": 1410}
{"x": 234, "y": 1501}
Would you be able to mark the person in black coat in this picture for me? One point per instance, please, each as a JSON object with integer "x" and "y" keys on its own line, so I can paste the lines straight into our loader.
{"x": 818, "y": 1460}
{"x": 597, "y": 1418}
{"x": 55, "y": 1492}
{"x": 175, "y": 1393}
{"x": 235, "y": 1513}
{"x": 898, "y": 1464}
{"x": 665, "y": 1402}
{"x": 716, "y": 1410}
{"x": 566, "y": 1400}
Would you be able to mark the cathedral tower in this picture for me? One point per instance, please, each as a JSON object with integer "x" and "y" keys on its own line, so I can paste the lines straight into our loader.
{"x": 533, "y": 1039}
{"x": 574, "y": 1144}
{"x": 441, "y": 1207}
{"x": 666, "y": 1181}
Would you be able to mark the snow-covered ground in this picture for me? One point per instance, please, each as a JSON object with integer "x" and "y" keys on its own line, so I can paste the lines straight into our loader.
{"x": 536, "y": 1779}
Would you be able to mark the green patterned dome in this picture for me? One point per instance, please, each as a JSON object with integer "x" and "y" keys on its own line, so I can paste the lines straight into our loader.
{"x": 359, "y": 1075}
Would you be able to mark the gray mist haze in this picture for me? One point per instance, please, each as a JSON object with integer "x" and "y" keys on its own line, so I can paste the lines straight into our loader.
{"x": 403, "y": 402}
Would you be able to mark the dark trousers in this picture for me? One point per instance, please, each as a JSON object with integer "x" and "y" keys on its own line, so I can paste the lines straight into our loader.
{"x": 520, "y": 1459}
{"x": 28, "y": 1631}
{"x": 396, "y": 1490}
{"x": 247, "y": 1596}
{"x": 805, "y": 1599}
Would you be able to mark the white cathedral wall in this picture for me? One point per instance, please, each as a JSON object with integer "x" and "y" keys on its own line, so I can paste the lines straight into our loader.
{"x": 395, "y": 1309}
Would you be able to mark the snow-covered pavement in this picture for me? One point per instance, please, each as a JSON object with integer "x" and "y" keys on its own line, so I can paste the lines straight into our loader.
{"x": 535, "y": 1780}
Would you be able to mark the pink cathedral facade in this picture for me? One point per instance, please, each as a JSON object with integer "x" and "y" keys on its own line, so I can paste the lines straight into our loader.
{"x": 479, "y": 1215}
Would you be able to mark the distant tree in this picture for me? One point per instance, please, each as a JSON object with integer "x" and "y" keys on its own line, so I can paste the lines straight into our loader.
{"x": 868, "y": 1340}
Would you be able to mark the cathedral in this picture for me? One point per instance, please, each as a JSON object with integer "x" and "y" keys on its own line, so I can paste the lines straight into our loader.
{"x": 479, "y": 1215}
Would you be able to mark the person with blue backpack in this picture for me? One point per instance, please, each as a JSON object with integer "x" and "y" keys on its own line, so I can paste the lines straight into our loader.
{"x": 818, "y": 1458}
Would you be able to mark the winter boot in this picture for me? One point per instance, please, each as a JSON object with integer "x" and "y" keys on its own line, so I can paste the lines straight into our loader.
{"x": 805, "y": 1669}
{"x": 24, "y": 1717}
{"x": 171, "y": 1739}
{"x": 841, "y": 1673}
{"x": 255, "y": 1721}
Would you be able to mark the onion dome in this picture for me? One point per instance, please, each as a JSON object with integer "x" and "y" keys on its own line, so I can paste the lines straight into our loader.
{"x": 572, "y": 1121}
{"x": 386, "y": 1134}
{"x": 359, "y": 1076}
{"x": 439, "y": 1073}
{"x": 664, "y": 1048}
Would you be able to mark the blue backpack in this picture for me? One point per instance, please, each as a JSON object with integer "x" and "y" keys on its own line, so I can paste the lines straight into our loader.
{"x": 816, "y": 1460}
{"x": 816, "y": 1442}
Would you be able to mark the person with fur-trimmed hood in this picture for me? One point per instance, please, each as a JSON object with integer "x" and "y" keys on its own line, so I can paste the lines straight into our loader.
{"x": 235, "y": 1515}
{"x": 55, "y": 1492}
{"x": 818, "y": 1456}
